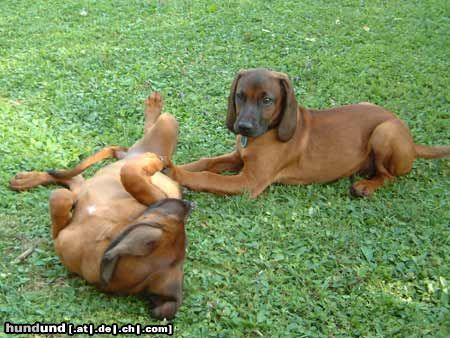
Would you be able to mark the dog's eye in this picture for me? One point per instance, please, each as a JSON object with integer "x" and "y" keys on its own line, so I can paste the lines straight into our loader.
{"x": 239, "y": 95}
{"x": 267, "y": 100}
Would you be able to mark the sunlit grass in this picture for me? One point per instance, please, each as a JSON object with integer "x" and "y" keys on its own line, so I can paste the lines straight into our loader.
{"x": 298, "y": 261}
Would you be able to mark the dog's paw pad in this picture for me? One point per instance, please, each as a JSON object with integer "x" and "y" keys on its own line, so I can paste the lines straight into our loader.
{"x": 166, "y": 310}
{"x": 154, "y": 100}
{"x": 24, "y": 175}
{"x": 360, "y": 190}
{"x": 27, "y": 179}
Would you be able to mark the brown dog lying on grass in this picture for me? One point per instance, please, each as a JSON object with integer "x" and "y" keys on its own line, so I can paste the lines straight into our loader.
{"x": 123, "y": 229}
{"x": 280, "y": 141}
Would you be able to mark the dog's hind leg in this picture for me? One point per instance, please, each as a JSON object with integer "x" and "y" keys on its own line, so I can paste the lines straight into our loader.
{"x": 393, "y": 152}
{"x": 60, "y": 205}
{"x": 107, "y": 152}
{"x": 160, "y": 131}
{"x": 70, "y": 178}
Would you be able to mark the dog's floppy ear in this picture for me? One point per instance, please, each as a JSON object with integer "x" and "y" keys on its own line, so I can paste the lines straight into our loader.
{"x": 135, "y": 240}
{"x": 288, "y": 123}
{"x": 231, "y": 116}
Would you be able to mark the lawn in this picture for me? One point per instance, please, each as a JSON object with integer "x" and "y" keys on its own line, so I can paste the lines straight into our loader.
{"x": 303, "y": 261}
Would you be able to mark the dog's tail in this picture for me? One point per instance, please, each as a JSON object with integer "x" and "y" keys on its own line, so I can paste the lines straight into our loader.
{"x": 431, "y": 152}
{"x": 112, "y": 151}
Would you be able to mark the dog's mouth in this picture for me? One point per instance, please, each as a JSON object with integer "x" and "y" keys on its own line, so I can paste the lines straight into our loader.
{"x": 247, "y": 133}
{"x": 255, "y": 132}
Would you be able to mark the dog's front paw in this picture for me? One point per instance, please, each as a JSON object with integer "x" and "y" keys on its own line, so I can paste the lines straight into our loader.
{"x": 165, "y": 310}
{"x": 151, "y": 163}
{"x": 173, "y": 172}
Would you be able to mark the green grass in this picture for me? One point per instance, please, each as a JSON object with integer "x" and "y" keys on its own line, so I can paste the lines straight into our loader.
{"x": 300, "y": 260}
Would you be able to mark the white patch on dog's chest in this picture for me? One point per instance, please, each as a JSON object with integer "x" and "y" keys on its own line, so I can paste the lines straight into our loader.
{"x": 91, "y": 209}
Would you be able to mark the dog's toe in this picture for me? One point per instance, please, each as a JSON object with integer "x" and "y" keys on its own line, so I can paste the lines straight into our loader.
{"x": 27, "y": 179}
{"x": 154, "y": 99}
{"x": 155, "y": 96}
{"x": 21, "y": 175}
{"x": 17, "y": 182}
{"x": 13, "y": 184}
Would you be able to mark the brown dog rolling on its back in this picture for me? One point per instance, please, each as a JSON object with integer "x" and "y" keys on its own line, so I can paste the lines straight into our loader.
{"x": 280, "y": 141}
{"x": 123, "y": 229}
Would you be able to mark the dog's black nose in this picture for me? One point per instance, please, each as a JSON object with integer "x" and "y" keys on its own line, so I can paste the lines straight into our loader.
{"x": 245, "y": 127}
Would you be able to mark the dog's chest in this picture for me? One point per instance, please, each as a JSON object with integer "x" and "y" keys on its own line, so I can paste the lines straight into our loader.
{"x": 91, "y": 209}
{"x": 101, "y": 208}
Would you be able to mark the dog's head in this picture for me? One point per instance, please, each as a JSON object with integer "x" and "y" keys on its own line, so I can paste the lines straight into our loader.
{"x": 150, "y": 253}
{"x": 261, "y": 100}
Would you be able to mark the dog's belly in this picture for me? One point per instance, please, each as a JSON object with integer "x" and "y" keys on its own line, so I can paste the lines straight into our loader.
{"x": 323, "y": 170}
{"x": 102, "y": 210}
{"x": 99, "y": 215}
